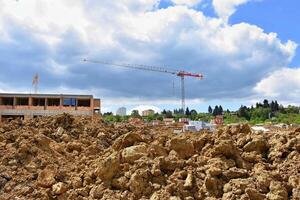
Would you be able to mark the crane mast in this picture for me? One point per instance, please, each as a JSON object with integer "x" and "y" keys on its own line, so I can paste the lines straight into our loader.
{"x": 180, "y": 73}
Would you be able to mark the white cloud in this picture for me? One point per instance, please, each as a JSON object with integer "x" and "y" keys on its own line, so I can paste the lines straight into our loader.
{"x": 187, "y": 2}
{"x": 283, "y": 84}
{"x": 233, "y": 58}
{"x": 225, "y": 8}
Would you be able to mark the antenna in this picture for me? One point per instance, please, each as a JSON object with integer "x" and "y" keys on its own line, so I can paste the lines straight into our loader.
{"x": 35, "y": 82}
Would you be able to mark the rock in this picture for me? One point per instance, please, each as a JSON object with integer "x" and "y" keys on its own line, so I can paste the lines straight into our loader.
{"x": 120, "y": 183}
{"x": 214, "y": 186}
{"x": 126, "y": 140}
{"x": 189, "y": 181}
{"x": 60, "y": 131}
{"x": 252, "y": 157}
{"x": 156, "y": 151}
{"x": 109, "y": 167}
{"x": 43, "y": 140}
{"x": 245, "y": 128}
{"x": 234, "y": 173}
{"x": 161, "y": 194}
{"x": 241, "y": 128}
{"x": 175, "y": 198}
{"x": 139, "y": 182}
{"x": 46, "y": 178}
{"x": 220, "y": 163}
{"x": 296, "y": 194}
{"x": 182, "y": 146}
{"x": 76, "y": 182}
{"x": 3, "y": 181}
{"x": 238, "y": 186}
{"x": 294, "y": 181}
{"x": 214, "y": 171}
{"x": 226, "y": 148}
{"x": 97, "y": 192}
{"x": 59, "y": 188}
{"x": 130, "y": 154}
{"x": 170, "y": 163}
{"x": 277, "y": 191}
{"x": 253, "y": 194}
{"x": 74, "y": 146}
{"x": 259, "y": 145}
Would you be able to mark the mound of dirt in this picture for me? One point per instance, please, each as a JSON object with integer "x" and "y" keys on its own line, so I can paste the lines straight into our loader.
{"x": 67, "y": 157}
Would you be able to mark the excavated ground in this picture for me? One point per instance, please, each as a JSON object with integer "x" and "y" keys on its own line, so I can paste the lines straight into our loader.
{"x": 67, "y": 157}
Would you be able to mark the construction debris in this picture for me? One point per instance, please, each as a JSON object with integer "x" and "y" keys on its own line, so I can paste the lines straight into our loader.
{"x": 67, "y": 157}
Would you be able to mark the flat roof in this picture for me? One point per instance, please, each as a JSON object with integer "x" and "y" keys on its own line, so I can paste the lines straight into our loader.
{"x": 45, "y": 95}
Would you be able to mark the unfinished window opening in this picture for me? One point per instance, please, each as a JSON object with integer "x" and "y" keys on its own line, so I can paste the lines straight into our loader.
{"x": 69, "y": 102}
{"x": 84, "y": 103}
{"x": 22, "y": 101}
{"x": 7, "y": 101}
{"x": 38, "y": 102}
{"x": 53, "y": 102}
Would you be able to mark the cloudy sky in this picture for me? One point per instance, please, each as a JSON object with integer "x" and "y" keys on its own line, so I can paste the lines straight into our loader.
{"x": 246, "y": 49}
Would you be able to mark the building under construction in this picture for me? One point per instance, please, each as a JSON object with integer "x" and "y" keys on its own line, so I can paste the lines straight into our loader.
{"x": 28, "y": 106}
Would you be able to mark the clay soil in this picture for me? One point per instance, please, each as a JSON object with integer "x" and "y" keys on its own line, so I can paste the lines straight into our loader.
{"x": 67, "y": 157}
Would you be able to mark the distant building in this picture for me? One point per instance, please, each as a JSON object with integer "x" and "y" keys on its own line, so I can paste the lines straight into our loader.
{"x": 197, "y": 126}
{"x": 147, "y": 112}
{"x": 168, "y": 121}
{"x": 156, "y": 122}
{"x": 184, "y": 120}
{"x": 121, "y": 111}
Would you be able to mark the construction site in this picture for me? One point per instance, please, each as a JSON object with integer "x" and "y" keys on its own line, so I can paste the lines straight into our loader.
{"x": 58, "y": 146}
{"x": 69, "y": 157}
{"x": 93, "y": 125}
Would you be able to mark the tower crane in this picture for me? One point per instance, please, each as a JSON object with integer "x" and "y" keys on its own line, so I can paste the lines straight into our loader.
{"x": 180, "y": 73}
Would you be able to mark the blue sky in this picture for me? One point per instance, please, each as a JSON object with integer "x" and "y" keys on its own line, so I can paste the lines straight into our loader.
{"x": 281, "y": 17}
{"x": 247, "y": 50}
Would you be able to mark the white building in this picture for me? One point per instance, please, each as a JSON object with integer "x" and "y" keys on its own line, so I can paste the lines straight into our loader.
{"x": 197, "y": 126}
{"x": 121, "y": 111}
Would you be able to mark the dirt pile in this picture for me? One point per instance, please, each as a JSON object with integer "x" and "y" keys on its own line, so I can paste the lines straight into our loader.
{"x": 76, "y": 158}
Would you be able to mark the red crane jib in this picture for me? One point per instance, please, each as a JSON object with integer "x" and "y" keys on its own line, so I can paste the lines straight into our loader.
{"x": 190, "y": 74}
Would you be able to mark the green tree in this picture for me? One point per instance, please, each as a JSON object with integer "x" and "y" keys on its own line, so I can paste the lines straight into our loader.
{"x": 210, "y": 110}
{"x": 135, "y": 114}
{"x": 243, "y": 112}
{"x": 272, "y": 106}
{"x": 266, "y": 104}
{"x": 169, "y": 114}
{"x": 187, "y": 111}
{"x": 220, "y": 110}
{"x": 193, "y": 112}
{"x": 107, "y": 114}
{"x": 216, "y": 111}
{"x": 260, "y": 114}
{"x": 276, "y": 106}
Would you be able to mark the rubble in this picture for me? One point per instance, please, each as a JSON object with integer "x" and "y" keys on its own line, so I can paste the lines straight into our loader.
{"x": 66, "y": 157}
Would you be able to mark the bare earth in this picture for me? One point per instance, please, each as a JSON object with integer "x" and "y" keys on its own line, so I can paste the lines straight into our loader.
{"x": 67, "y": 157}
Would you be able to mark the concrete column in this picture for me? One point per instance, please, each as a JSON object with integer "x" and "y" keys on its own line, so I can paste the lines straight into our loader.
{"x": 29, "y": 102}
{"x": 46, "y": 103}
{"x": 14, "y": 102}
{"x": 61, "y": 101}
{"x": 92, "y": 104}
{"x": 76, "y": 104}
